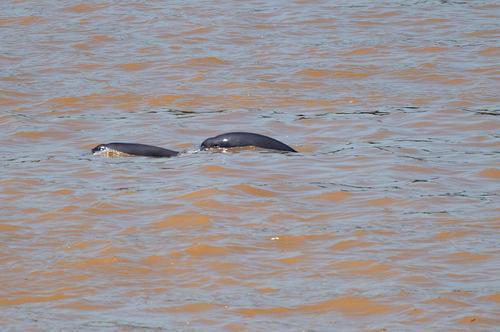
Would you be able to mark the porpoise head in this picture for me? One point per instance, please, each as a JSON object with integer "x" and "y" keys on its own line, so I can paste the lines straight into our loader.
{"x": 99, "y": 149}
{"x": 215, "y": 142}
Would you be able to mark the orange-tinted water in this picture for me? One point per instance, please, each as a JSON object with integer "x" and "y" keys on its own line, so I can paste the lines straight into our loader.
{"x": 388, "y": 218}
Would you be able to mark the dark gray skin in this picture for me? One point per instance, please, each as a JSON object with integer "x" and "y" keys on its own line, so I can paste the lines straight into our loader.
{"x": 136, "y": 150}
{"x": 239, "y": 139}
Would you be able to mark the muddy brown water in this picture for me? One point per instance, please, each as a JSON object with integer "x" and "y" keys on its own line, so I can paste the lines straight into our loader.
{"x": 387, "y": 219}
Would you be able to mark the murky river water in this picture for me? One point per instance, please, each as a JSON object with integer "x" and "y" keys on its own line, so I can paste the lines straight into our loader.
{"x": 387, "y": 219}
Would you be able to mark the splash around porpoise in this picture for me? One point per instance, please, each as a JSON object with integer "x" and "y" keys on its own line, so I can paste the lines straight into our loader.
{"x": 223, "y": 141}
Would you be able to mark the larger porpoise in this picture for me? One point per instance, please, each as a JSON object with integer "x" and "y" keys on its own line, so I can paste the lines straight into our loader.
{"x": 240, "y": 139}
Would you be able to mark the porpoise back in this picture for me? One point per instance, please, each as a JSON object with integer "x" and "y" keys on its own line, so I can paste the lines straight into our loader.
{"x": 239, "y": 139}
{"x": 134, "y": 149}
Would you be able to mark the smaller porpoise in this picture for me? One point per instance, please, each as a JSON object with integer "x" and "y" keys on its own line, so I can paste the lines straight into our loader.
{"x": 132, "y": 149}
{"x": 239, "y": 139}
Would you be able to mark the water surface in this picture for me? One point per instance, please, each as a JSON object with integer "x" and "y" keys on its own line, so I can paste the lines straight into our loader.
{"x": 386, "y": 219}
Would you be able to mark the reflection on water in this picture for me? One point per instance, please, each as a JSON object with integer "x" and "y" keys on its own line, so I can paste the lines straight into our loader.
{"x": 387, "y": 218}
